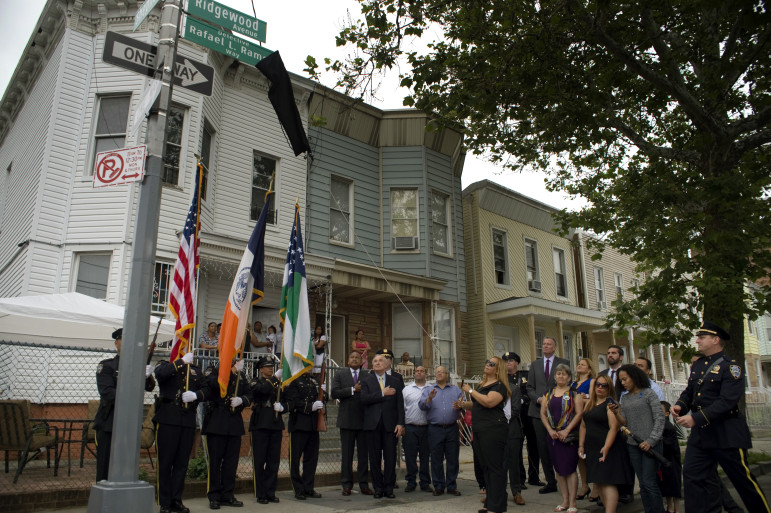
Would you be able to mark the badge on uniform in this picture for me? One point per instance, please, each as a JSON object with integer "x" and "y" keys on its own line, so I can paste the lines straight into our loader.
{"x": 524, "y": 380}
{"x": 99, "y": 368}
{"x": 192, "y": 371}
{"x": 736, "y": 371}
{"x": 716, "y": 370}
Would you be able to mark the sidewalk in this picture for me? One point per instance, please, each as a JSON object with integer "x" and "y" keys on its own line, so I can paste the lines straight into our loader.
{"x": 469, "y": 501}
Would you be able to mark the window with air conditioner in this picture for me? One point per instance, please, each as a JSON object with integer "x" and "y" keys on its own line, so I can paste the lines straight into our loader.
{"x": 500, "y": 260}
{"x": 599, "y": 288}
{"x": 341, "y": 210}
{"x": 264, "y": 170}
{"x": 440, "y": 223}
{"x": 560, "y": 273}
{"x": 404, "y": 219}
{"x": 531, "y": 266}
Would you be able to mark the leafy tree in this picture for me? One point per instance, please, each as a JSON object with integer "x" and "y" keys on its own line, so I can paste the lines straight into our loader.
{"x": 657, "y": 112}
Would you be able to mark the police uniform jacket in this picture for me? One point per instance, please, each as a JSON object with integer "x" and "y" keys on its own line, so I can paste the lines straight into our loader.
{"x": 300, "y": 395}
{"x": 219, "y": 417}
{"x": 173, "y": 379}
{"x": 515, "y": 423}
{"x": 712, "y": 398}
{"x": 265, "y": 393}
{"x": 107, "y": 384}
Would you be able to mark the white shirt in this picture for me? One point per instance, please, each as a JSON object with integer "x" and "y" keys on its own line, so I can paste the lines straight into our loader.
{"x": 412, "y": 412}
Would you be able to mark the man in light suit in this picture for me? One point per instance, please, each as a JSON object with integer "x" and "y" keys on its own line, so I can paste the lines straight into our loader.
{"x": 540, "y": 379}
{"x": 346, "y": 386}
{"x": 383, "y": 422}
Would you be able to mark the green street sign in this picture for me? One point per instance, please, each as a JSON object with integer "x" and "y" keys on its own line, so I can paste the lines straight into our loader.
{"x": 228, "y": 18}
{"x": 222, "y": 41}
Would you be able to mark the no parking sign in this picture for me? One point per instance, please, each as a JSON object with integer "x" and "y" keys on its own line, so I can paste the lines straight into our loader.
{"x": 119, "y": 166}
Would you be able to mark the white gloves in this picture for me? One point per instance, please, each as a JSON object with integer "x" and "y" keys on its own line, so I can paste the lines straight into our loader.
{"x": 235, "y": 402}
{"x": 278, "y": 374}
{"x": 239, "y": 365}
{"x": 324, "y": 387}
{"x": 317, "y": 405}
{"x": 188, "y": 396}
{"x": 187, "y": 358}
{"x": 148, "y": 371}
{"x": 277, "y": 407}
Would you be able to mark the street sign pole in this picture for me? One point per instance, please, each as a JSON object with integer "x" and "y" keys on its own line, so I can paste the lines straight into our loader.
{"x": 123, "y": 492}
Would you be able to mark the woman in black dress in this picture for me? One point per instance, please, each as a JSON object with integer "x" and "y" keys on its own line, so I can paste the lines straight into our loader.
{"x": 607, "y": 459}
{"x": 490, "y": 429}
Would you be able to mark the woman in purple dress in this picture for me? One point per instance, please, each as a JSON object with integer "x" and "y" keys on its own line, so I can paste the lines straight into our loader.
{"x": 561, "y": 415}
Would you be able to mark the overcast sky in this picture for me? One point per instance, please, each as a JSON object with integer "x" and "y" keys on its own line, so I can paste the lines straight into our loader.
{"x": 297, "y": 28}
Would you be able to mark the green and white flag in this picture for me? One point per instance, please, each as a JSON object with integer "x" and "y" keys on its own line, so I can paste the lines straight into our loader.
{"x": 297, "y": 350}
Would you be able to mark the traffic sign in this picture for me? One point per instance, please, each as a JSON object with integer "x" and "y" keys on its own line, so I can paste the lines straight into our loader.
{"x": 228, "y": 18}
{"x": 119, "y": 166}
{"x": 143, "y": 11}
{"x": 137, "y": 56}
{"x": 222, "y": 41}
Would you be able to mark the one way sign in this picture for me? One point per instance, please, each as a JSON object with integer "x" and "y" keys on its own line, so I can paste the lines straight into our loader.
{"x": 137, "y": 56}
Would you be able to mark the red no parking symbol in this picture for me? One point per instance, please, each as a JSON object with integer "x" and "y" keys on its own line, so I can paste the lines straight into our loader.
{"x": 109, "y": 168}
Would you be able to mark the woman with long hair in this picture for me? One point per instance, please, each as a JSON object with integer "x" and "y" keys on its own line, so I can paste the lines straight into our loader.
{"x": 319, "y": 341}
{"x": 362, "y": 347}
{"x": 640, "y": 411}
{"x": 584, "y": 380}
{"x": 490, "y": 430}
{"x": 561, "y": 412}
{"x": 601, "y": 446}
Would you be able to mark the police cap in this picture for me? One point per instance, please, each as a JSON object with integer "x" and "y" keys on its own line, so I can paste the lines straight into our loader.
{"x": 710, "y": 328}
{"x": 117, "y": 334}
{"x": 511, "y": 355}
{"x": 264, "y": 362}
{"x": 386, "y": 352}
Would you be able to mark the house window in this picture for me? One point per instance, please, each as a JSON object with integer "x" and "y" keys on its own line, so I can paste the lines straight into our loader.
{"x": 263, "y": 171}
{"x": 531, "y": 263}
{"x": 445, "y": 341}
{"x": 540, "y": 334}
{"x": 111, "y": 120}
{"x": 340, "y": 203}
{"x": 163, "y": 273}
{"x": 560, "y": 276}
{"x": 618, "y": 281}
{"x": 404, "y": 219}
{"x": 440, "y": 222}
{"x": 93, "y": 271}
{"x": 500, "y": 262}
{"x": 206, "y": 139}
{"x": 407, "y": 329}
{"x": 174, "y": 126}
{"x": 599, "y": 288}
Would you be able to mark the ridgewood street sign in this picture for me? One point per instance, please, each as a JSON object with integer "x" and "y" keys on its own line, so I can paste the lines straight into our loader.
{"x": 228, "y": 18}
{"x": 137, "y": 56}
{"x": 222, "y": 41}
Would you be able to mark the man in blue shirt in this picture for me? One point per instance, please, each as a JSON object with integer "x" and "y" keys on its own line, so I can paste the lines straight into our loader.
{"x": 415, "y": 441}
{"x": 442, "y": 407}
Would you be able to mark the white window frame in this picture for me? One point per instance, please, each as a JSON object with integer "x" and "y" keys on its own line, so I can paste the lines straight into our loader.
{"x": 272, "y": 216}
{"x": 334, "y": 205}
{"x": 505, "y": 245}
{"x": 107, "y": 135}
{"x": 159, "y": 304}
{"x": 540, "y": 335}
{"x": 447, "y": 227}
{"x": 558, "y": 257}
{"x": 76, "y": 268}
{"x": 599, "y": 287}
{"x": 402, "y": 344}
{"x": 618, "y": 282}
{"x": 452, "y": 364}
{"x": 534, "y": 274}
{"x": 416, "y": 220}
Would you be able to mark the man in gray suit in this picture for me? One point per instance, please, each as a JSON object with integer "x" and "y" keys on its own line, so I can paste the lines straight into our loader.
{"x": 346, "y": 386}
{"x": 540, "y": 379}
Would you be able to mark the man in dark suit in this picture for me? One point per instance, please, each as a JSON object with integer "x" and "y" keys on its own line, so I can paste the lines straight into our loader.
{"x": 540, "y": 379}
{"x": 384, "y": 422}
{"x": 346, "y": 386}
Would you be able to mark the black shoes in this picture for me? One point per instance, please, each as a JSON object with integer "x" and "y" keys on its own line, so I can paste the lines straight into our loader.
{"x": 299, "y": 496}
{"x": 178, "y": 507}
{"x": 273, "y": 499}
{"x": 548, "y": 489}
{"x": 378, "y": 495}
{"x": 523, "y": 486}
{"x": 625, "y": 499}
{"x": 214, "y": 505}
{"x": 166, "y": 509}
{"x": 426, "y": 489}
{"x": 454, "y": 492}
{"x": 233, "y": 503}
{"x": 438, "y": 492}
{"x": 390, "y": 495}
{"x": 410, "y": 488}
{"x": 536, "y": 483}
{"x": 313, "y": 494}
{"x": 263, "y": 500}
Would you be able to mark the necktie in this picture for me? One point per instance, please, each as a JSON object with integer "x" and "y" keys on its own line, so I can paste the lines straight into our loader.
{"x": 381, "y": 379}
{"x": 613, "y": 377}
{"x": 547, "y": 369}
{"x": 355, "y": 376}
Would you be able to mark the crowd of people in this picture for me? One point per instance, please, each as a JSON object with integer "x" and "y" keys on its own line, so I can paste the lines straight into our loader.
{"x": 609, "y": 428}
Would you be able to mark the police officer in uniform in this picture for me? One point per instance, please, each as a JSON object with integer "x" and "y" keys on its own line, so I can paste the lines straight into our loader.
{"x": 302, "y": 398}
{"x": 719, "y": 432}
{"x": 179, "y": 383}
{"x": 107, "y": 384}
{"x": 267, "y": 427}
{"x": 223, "y": 427}
{"x": 515, "y": 437}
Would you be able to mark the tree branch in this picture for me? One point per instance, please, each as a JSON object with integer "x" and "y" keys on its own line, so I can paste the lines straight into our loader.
{"x": 752, "y": 141}
{"x": 653, "y": 150}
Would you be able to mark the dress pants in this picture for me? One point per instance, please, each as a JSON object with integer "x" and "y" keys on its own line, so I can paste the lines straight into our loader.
{"x": 490, "y": 446}
{"x": 382, "y": 449}
{"x": 303, "y": 444}
{"x": 533, "y": 461}
{"x": 415, "y": 444}
{"x": 266, "y": 456}
{"x": 173, "y": 444}
{"x": 445, "y": 446}
{"x": 543, "y": 451}
{"x": 514, "y": 458}
{"x": 103, "y": 442}
{"x": 223, "y": 462}
{"x": 349, "y": 438}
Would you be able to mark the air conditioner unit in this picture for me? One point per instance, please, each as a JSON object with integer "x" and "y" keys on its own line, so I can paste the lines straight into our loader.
{"x": 534, "y": 285}
{"x": 405, "y": 242}
{"x": 601, "y": 305}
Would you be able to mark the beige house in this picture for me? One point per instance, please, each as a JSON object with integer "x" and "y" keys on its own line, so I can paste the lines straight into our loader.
{"x": 520, "y": 280}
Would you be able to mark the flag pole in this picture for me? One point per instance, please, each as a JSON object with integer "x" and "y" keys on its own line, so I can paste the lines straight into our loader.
{"x": 199, "y": 175}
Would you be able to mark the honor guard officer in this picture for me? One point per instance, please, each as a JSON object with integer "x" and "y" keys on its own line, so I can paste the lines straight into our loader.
{"x": 719, "y": 432}
{"x": 302, "y": 398}
{"x": 515, "y": 438}
{"x": 223, "y": 427}
{"x": 179, "y": 383}
{"x": 267, "y": 427}
{"x": 107, "y": 384}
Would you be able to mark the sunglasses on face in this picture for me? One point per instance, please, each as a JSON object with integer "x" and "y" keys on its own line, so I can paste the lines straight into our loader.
{"x": 491, "y": 364}
{"x": 601, "y": 385}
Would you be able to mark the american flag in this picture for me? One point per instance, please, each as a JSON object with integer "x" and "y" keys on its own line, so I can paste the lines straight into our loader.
{"x": 182, "y": 293}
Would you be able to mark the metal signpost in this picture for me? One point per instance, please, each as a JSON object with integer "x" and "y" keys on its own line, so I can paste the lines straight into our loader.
{"x": 222, "y": 41}
{"x": 228, "y": 18}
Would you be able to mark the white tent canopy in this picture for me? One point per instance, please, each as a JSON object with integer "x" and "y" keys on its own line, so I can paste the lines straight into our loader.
{"x": 70, "y": 319}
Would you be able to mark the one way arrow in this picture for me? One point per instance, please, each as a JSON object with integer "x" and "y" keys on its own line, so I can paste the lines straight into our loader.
{"x": 189, "y": 74}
